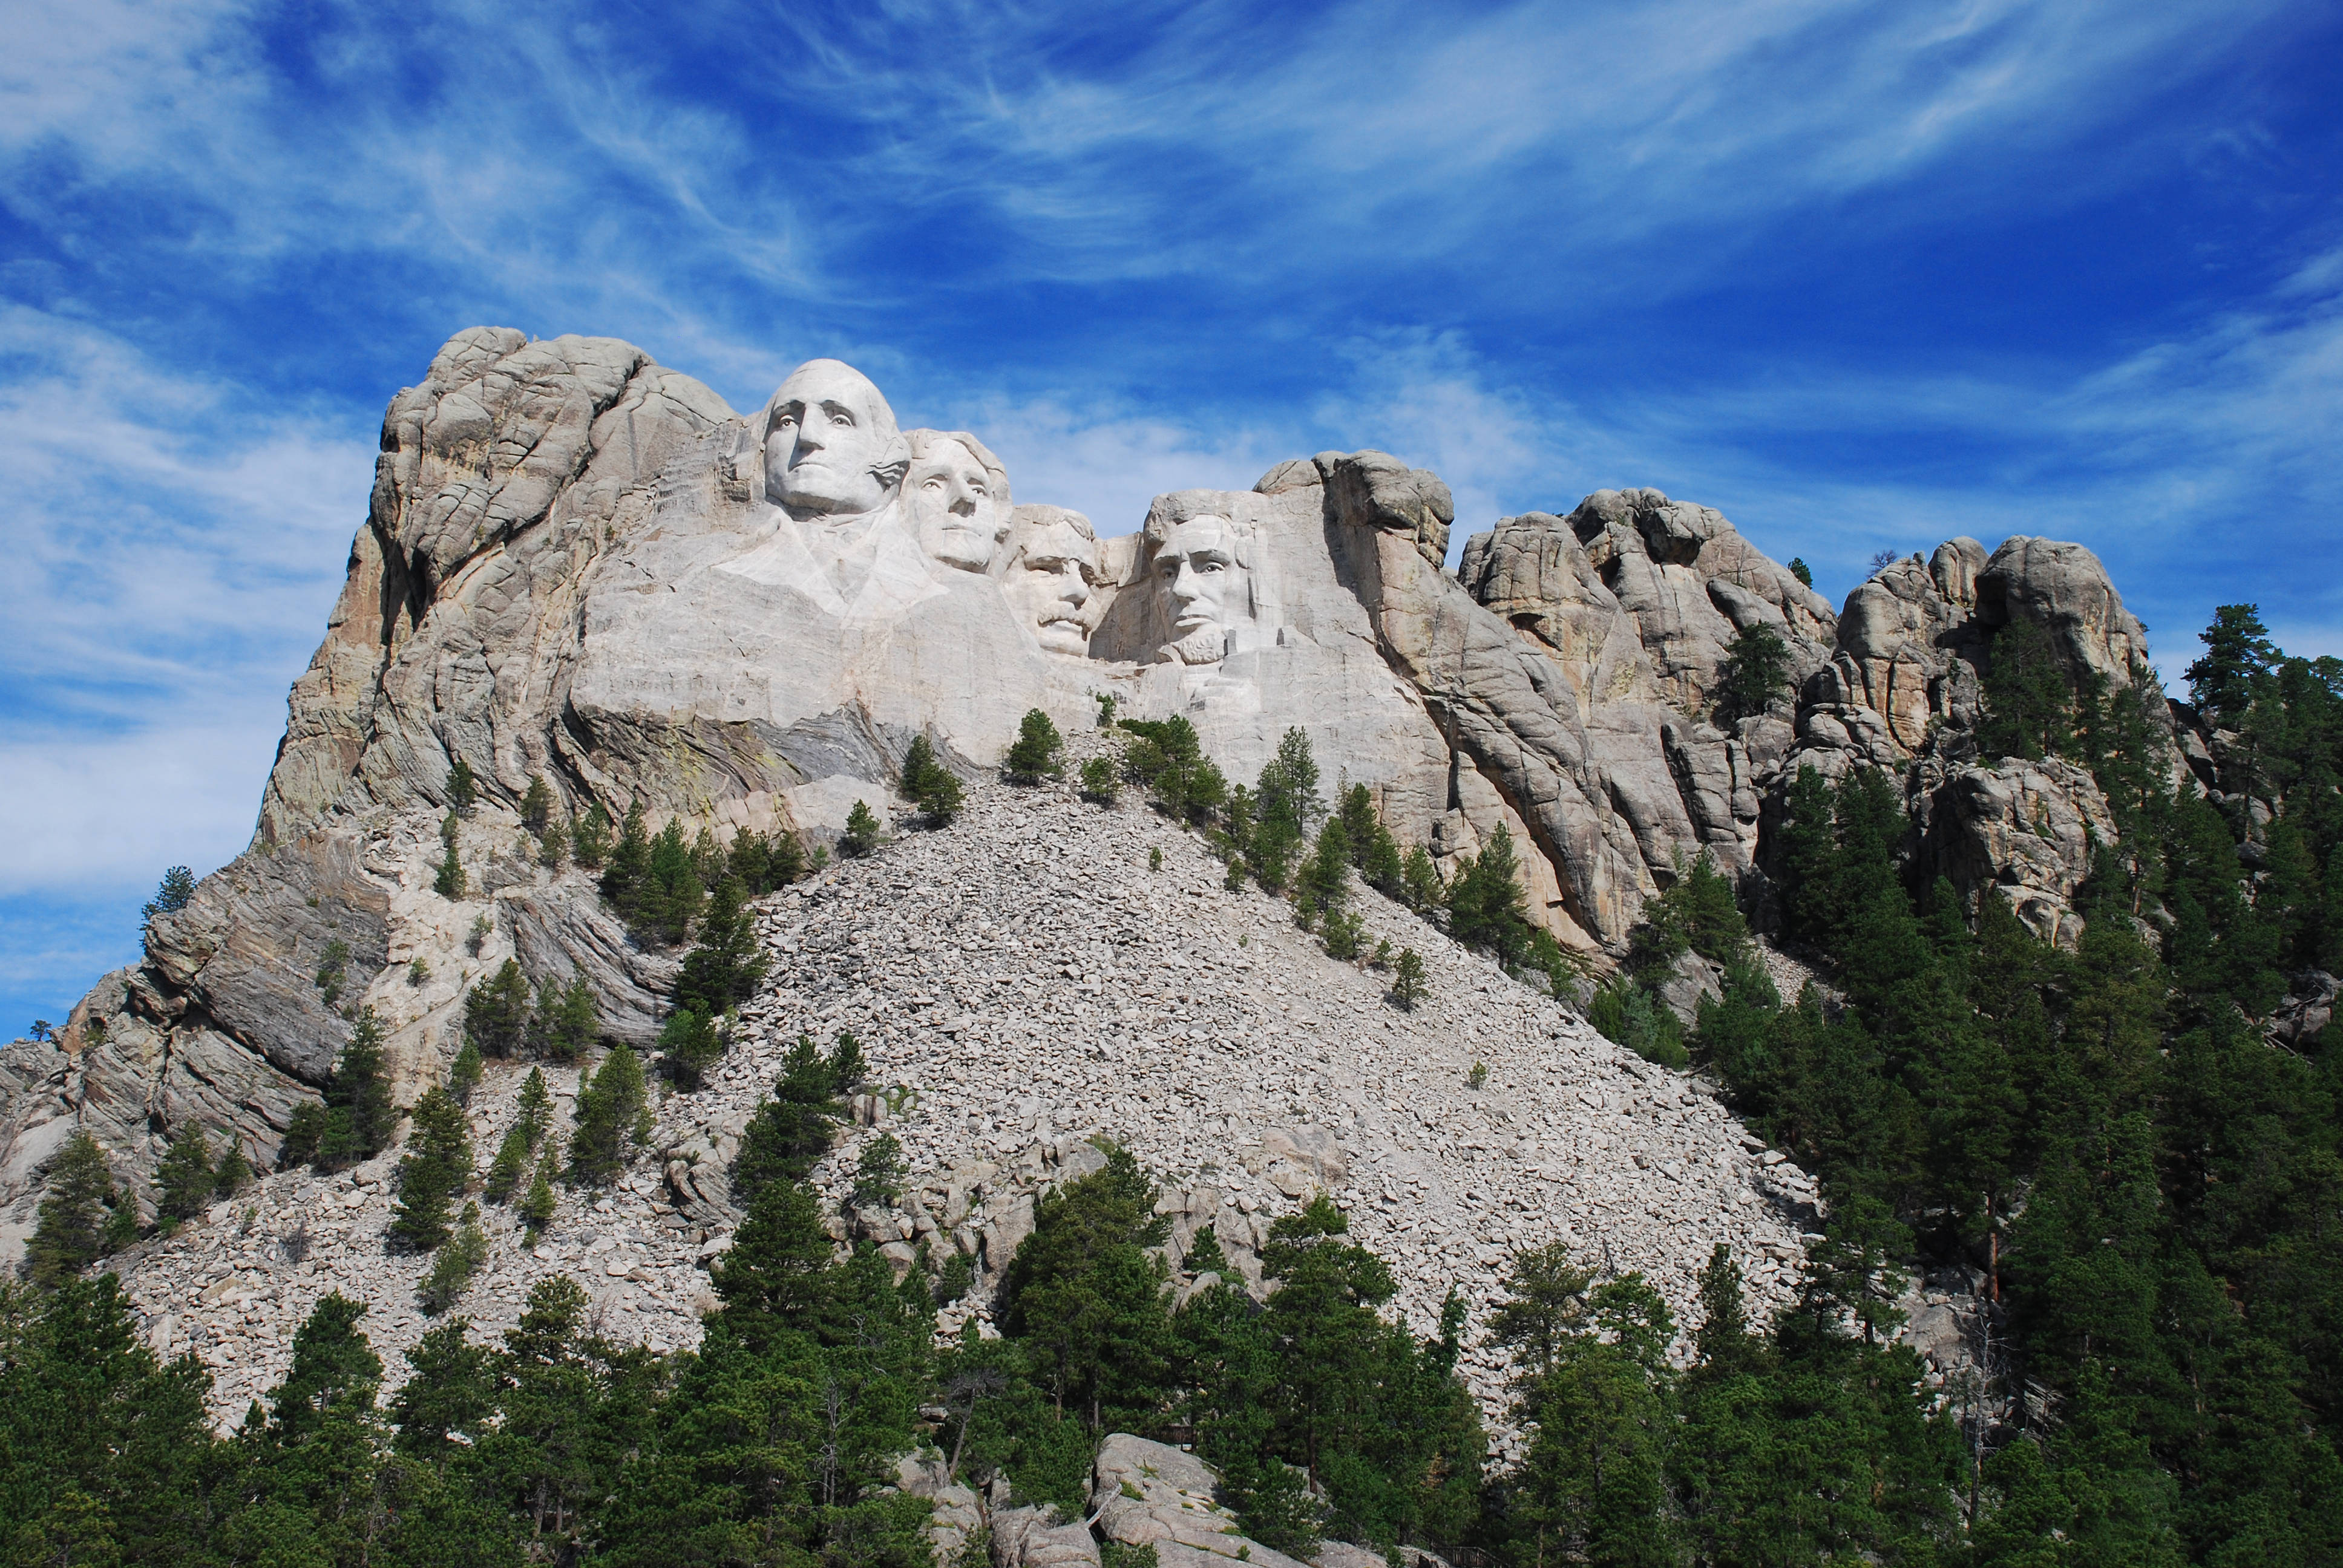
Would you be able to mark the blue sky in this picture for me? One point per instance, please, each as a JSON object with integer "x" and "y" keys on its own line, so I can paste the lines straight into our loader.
{"x": 1862, "y": 277}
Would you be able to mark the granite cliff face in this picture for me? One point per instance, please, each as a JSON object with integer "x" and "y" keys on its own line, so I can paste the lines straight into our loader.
{"x": 581, "y": 565}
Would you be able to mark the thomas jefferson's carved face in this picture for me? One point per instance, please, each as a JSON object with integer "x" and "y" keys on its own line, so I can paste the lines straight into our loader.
{"x": 952, "y": 498}
{"x": 828, "y": 433}
{"x": 1049, "y": 587}
{"x": 1203, "y": 586}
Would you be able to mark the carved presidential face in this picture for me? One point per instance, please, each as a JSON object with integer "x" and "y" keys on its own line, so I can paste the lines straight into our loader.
{"x": 1050, "y": 586}
{"x": 1203, "y": 586}
{"x": 830, "y": 443}
{"x": 953, "y": 500}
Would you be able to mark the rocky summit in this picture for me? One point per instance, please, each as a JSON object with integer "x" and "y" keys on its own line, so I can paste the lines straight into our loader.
{"x": 589, "y": 594}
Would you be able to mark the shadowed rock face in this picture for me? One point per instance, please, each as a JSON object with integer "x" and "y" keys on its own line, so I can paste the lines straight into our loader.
{"x": 572, "y": 570}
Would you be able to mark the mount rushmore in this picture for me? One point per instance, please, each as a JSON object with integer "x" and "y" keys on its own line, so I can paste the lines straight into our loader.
{"x": 581, "y": 565}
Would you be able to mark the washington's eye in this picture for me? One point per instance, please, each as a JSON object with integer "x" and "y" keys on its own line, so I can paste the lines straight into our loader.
{"x": 841, "y": 419}
{"x": 784, "y": 422}
{"x": 933, "y": 485}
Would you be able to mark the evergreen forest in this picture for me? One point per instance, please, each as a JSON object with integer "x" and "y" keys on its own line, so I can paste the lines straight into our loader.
{"x": 2138, "y": 1176}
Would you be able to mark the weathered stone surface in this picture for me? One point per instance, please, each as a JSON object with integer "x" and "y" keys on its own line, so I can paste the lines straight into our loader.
{"x": 1153, "y": 1494}
{"x": 956, "y": 1513}
{"x": 580, "y": 566}
{"x": 2063, "y": 590}
{"x": 2025, "y": 830}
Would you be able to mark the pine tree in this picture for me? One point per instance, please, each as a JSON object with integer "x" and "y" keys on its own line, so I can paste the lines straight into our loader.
{"x": 1486, "y": 903}
{"x": 1324, "y": 886}
{"x": 861, "y": 835}
{"x": 1035, "y": 754}
{"x": 449, "y": 1401}
{"x": 1407, "y": 979}
{"x": 591, "y": 839}
{"x": 762, "y": 862}
{"x": 496, "y": 1011}
{"x": 1100, "y": 781}
{"x": 1799, "y": 570}
{"x": 515, "y": 1153}
{"x": 691, "y": 1043}
{"x": 358, "y": 1119}
{"x": 612, "y": 1115}
{"x": 449, "y": 881}
{"x": 1421, "y": 888}
{"x": 569, "y": 1021}
{"x": 184, "y": 1179}
{"x": 2238, "y": 654}
{"x": 878, "y": 1172}
{"x": 1285, "y": 803}
{"x": 792, "y": 1130}
{"x": 777, "y": 1273}
{"x": 178, "y": 886}
{"x": 629, "y": 869}
{"x": 464, "y": 1072}
{"x": 723, "y": 969}
{"x": 553, "y": 845}
{"x": 438, "y": 1165}
{"x": 1722, "y": 1346}
{"x": 70, "y": 1233}
{"x": 928, "y": 784}
{"x": 1084, "y": 1294}
{"x": 457, "y": 1261}
{"x": 1754, "y": 672}
{"x": 463, "y": 788}
{"x": 668, "y": 901}
{"x": 535, "y": 1208}
{"x": 536, "y": 805}
{"x": 235, "y": 1169}
{"x": 2028, "y": 702}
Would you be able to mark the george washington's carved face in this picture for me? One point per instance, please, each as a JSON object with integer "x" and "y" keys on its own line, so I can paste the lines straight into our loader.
{"x": 830, "y": 443}
{"x": 952, "y": 500}
{"x": 1204, "y": 588}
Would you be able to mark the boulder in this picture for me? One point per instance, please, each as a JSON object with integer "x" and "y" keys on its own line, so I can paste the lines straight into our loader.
{"x": 956, "y": 1515}
{"x": 2025, "y": 829}
{"x": 1032, "y": 1538}
{"x": 1146, "y": 1493}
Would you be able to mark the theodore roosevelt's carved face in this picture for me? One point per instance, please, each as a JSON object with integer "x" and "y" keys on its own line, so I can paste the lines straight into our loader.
{"x": 1204, "y": 587}
{"x": 954, "y": 501}
{"x": 831, "y": 442}
{"x": 1050, "y": 584}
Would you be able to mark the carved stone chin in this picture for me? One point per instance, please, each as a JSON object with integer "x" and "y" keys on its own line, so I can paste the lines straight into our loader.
{"x": 1207, "y": 645}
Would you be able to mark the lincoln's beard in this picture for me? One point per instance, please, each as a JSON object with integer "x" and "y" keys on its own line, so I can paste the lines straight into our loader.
{"x": 1208, "y": 645}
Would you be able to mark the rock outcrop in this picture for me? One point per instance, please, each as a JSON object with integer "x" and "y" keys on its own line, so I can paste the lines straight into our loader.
{"x": 582, "y": 567}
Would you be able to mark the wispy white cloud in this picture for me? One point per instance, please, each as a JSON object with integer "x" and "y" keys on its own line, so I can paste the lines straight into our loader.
{"x": 1371, "y": 190}
{"x": 173, "y": 547}
{"x": 97, "y": 814}
{"x": 165, "y": 532}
